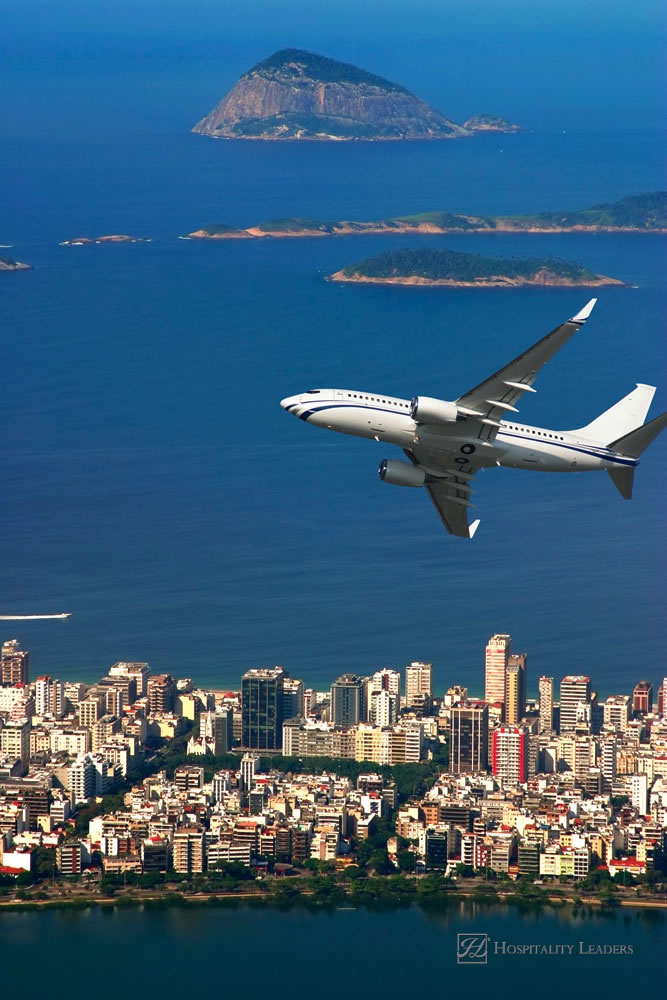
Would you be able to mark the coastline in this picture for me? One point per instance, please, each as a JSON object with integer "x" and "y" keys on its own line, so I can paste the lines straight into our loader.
{"x": 300, "y": 897}
{"x": 496, "y": 281}
{"x": 422, "y": 229}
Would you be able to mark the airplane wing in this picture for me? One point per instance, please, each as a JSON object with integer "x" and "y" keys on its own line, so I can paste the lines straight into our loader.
{"x": 449, "y": 490}
{"x": 493, "y": 399}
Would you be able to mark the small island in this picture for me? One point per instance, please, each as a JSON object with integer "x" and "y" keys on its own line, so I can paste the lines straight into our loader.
{"x": 467, "y": 270}
{"x": 490, "y": 123}
{"x": 82, "y": 241}
{"x": 639, "y": 213}
{"x": 7, "y": 264}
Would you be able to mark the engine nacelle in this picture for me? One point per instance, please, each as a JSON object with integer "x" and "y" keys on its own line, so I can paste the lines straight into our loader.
{"x": 426, "y": 410}
{"x": 392, "y": 470}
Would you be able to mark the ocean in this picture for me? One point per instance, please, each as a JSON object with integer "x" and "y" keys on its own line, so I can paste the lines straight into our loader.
{"x": 151, "y": 484}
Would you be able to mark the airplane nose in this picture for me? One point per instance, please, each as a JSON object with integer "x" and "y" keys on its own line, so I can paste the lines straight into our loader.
{"x": 289, "y": 401}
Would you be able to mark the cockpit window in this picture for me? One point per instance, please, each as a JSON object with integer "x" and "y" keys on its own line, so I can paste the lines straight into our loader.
{"x": 313, "y": 392}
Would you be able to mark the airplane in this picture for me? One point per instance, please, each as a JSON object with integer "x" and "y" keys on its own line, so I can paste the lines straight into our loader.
{"x": 448, "y": 442}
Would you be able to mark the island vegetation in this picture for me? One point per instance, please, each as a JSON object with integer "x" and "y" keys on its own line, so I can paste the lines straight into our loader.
{"x": 296, "y": 94}
{"x": 490, "y": 123}
{"x": 640, "y": 213}
{"x": 447, "y": 267}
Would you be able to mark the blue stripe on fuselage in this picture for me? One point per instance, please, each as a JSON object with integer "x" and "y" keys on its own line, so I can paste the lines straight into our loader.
{"x": 592, "y": 451}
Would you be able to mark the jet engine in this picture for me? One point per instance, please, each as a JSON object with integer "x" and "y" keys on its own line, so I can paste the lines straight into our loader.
{"x": 426, "y": 410}
{"x": 392, "y": 470}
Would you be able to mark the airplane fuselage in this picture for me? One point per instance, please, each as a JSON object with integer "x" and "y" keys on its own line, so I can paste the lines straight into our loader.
{"x": 387, "y": 419}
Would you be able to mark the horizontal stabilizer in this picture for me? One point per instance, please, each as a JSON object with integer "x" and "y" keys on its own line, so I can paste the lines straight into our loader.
{"x": 634, "y": 443}
{"x": 622, "y": 478}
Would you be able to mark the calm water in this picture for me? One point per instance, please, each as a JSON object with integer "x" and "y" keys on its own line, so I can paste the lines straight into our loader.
{"x": 152, "y": 485}
{"x": 396, "y": 948}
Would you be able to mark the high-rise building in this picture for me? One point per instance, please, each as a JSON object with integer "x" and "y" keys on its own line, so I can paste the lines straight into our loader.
{"x": 262, "y": 708}
{"x": 575, "y": 690}
{"x": 15, "y": 740}
{"x": 346, "y": 700}
{"x": 249, "y": 764}
{"x": 49, "y": 697}
{"x": 469, "y": 738}
{"x": 188, "y": 850}
{"x": 418, "y": 684}
{"x": 498, "y": 651}
{"x": 617, "y": 712}
{"x": 661, "y": 698}
{"x": 293, "y": 699}
{"x": 515, "y": 688}
{"x": 140, "y": 672}
{"x": 546, "y": 694}
{"x": 92, "y": 708}
{"x": 510, "y": 754}
{"x": 639, "y": 786}
{"x": 14, "y": 663}
{"x": 161, "y": 693}
{"x": 642, "y": 698}
{"x": 383, "y": 680}
{"x": 383, "y": 708}
{"x": 608, "y": 759}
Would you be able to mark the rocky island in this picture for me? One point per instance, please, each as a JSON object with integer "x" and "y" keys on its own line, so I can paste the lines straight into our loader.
{"x": 640, "y": 213}
{"x": 467, "y": 270}
{"x": 82, "y": 241}
{"x": 300, "y": 95}
{"x": 490, "y": 123}
{"x": 7, "y": 264}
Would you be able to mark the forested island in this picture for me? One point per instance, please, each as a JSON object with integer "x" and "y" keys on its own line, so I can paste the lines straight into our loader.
{"x": 467, "y": 270}
{"x": 640, "y": 213}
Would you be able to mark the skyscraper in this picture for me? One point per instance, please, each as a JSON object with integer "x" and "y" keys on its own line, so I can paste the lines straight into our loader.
{"x": 498, "y": 650}
{"x": 575, "y": 691}
{"x": 546, "y": 694}
{"x": 262, "y": 708}
{"x": 161, "y": 693}
{"x": 418, "y": 684}
{"x": 509, "y": 755}
{"x": 14, "y": 663}
{"x": 383, "y": 708}
{"x": 293, "y": 699}
{"x": 383, "y": 680}
{"x": 346, "y": 700}
{"x": 515, "y": 688}
{"x": 642, "y": 697}
{"x": 469, "y": 738}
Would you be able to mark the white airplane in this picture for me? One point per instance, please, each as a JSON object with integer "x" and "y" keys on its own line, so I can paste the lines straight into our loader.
{"x": 447, "y": 443}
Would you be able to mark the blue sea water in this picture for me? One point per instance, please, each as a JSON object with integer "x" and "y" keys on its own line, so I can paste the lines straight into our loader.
{"x": 152, "y": 485}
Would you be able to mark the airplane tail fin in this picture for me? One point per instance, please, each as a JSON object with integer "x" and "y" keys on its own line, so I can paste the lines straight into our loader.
{"x": 632, "y": 445}
{"x": 620, "y": 418}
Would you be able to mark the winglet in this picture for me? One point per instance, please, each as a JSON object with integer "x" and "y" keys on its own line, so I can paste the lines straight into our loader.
{"x": 473, "y": 528}
{"x": 584, "y": 313}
